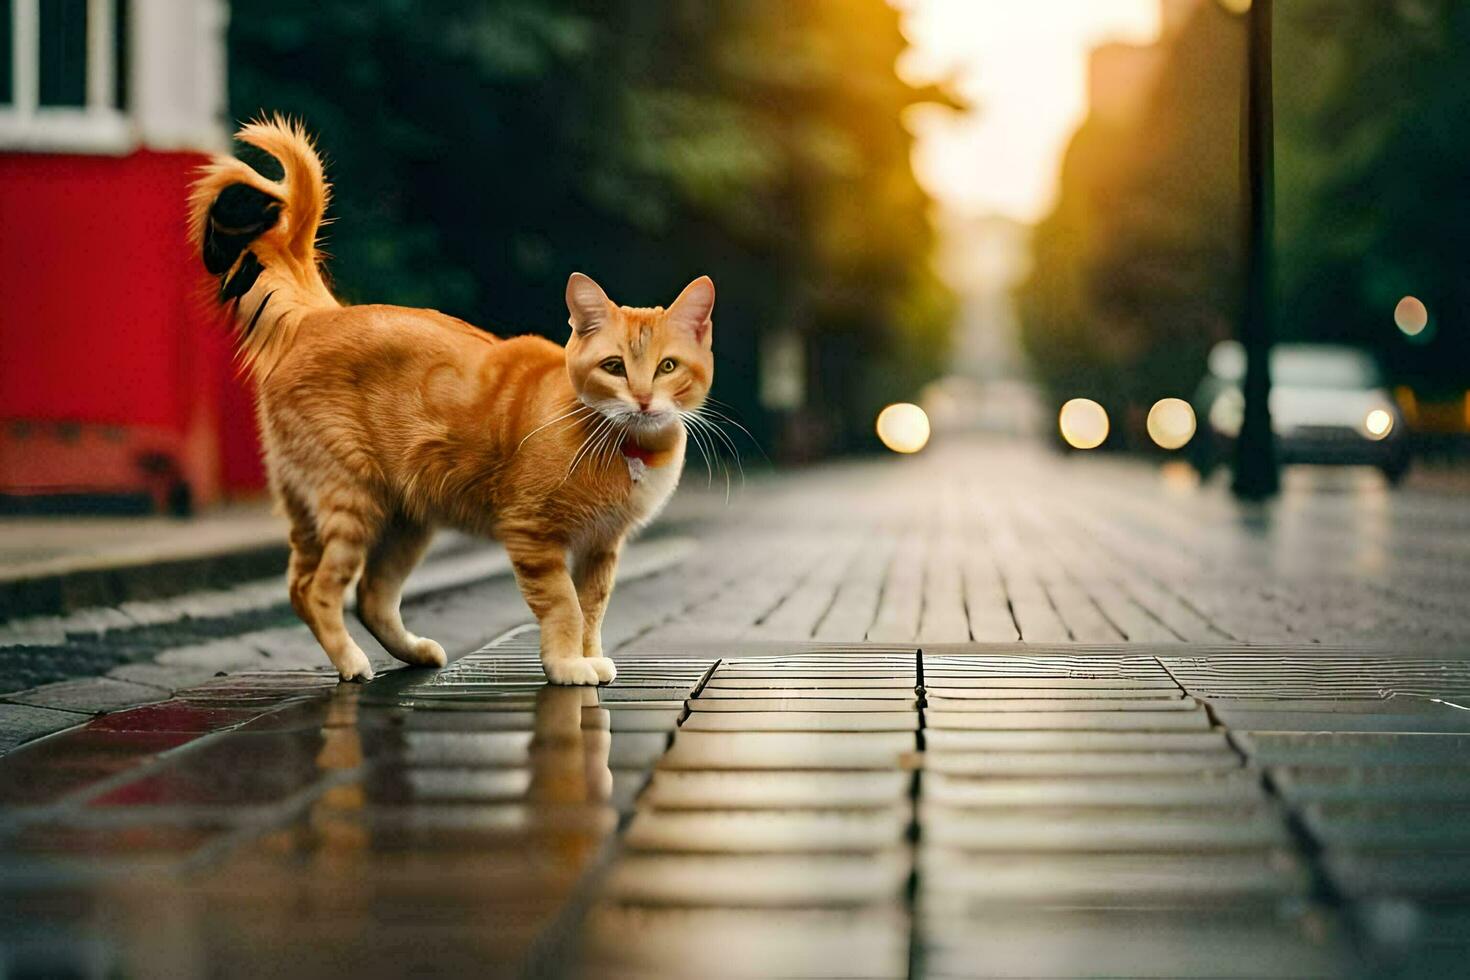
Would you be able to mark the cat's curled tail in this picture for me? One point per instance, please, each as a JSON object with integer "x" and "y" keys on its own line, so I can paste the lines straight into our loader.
{"x": 259, "y": 237}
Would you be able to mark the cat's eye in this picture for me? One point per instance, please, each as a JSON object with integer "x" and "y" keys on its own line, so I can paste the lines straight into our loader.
{"x": 667, "y": 365}
{"x": 613, "y": 366}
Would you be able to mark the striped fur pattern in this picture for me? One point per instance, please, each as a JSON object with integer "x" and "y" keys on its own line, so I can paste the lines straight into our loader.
{"x": 382, "y": 423}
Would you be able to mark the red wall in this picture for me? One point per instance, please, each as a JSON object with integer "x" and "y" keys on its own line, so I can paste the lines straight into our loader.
{"x": 102, "y": 315}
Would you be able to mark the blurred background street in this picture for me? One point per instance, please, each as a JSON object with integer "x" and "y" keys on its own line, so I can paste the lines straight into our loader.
{"x": 1075, "y": 585}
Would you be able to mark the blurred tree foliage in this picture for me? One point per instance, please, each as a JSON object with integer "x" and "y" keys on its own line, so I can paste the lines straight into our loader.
{"x": 481, "y": 150}
{"x": 1137, "y": 270}
{"x": 1374, "y": 202}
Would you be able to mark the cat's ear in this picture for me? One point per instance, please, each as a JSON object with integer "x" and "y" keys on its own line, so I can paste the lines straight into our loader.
{"x": 587, "y": 305}
{"x": 693, "y": 308}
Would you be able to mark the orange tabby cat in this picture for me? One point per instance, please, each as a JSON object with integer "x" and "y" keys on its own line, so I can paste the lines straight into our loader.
{"x": 381, "y": 423}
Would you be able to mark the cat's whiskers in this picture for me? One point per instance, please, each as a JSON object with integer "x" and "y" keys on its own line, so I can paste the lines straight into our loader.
{"x": 694, "y": 437}
{"x": 709, "y": 412}
{"x": 604, "y": 428}
{"x": 560, "y": 418}
{"x": 697, "y": 423}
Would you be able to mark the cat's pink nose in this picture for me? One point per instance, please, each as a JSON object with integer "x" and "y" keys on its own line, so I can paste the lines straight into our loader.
{"x": 643, "y": 404}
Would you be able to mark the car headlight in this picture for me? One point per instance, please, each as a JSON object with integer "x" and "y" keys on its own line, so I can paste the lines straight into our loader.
{"x": 1378, "y": 423}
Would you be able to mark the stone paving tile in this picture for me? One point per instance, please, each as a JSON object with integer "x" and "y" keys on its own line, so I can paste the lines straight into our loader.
{"x": 1082, "y": 740}
{"x": 941, "y": 688}
{"x": 1418, "y": 825}
{"x": 806, "y": 830}
{"x": 1267, "y": 707}
{"x": 1353, "y": 748}
{"x": 92, "y": 695}
{"x": 1079, "y": 764}
{"x": 1128, "y": 943}
{"x": 802, "y": 721}
{"x": 45, "y": 771}
{"x": 938, "y": 702}
{"x": 1059, "y": 665}
{"x": 780, "y": 692}
{"x": 712, "y": 789}
{"x": 630, "y": 941}
{"x": 796, "y": 880}
{"x": 958, "y": 879}
{"x": 738, "y": 681}
{"x": 1342, "y": 721}
{"x": 1139, "y": 829}
{"x": 175, "y": 715}
{"x": 1206, "y": 790}
{"x": 1257, "y": 674}
{"x": 1433, "y": 876}
{"x": 806, "y": 704}
{"x": 957, "y": 679}
{"x": 884, "y": 675}
{"x": 231, "y": 775}
{"x": 1381, "y": 784}
{"x": 1117, "y": 721}
{"x": 22, "y": 723}
{"x": 787, "y": 750}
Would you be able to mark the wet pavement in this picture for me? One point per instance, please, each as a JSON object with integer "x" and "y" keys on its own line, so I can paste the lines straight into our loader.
{"x": 855, "y": 811}
{"x": 989, "y": 714}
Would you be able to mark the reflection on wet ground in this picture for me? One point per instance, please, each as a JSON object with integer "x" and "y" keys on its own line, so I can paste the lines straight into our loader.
{"x": 868, "y": 811}
{"x": 279, "y": 824}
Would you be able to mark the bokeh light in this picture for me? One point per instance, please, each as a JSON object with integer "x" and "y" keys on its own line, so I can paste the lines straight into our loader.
{"x": 903, "y": 427}
{"x": 1411, "y": 316}
{"x": 1084, "y": 423}
{"x": 1171, "y": 423}
{"x": 1378, "y": 424}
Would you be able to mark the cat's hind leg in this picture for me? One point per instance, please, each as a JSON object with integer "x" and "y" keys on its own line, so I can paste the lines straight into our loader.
{"x": 322, "y": 568}
{"x": 398, "y": 550}
{"x": 541, "y": 572}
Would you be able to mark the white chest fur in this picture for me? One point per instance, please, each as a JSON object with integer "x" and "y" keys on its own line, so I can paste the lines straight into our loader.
{"x": 652, "y": 486}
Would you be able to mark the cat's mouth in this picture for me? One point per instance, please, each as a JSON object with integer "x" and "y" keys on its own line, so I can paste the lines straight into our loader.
{"x": 648, "y": 421}
{"x": 634, "y": 421}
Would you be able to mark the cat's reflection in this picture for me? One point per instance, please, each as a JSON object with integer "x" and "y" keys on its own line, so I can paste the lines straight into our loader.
{"x": 570, "y": 779}
{"x": 569, "y": 750}
{"x": 335, "y": 815}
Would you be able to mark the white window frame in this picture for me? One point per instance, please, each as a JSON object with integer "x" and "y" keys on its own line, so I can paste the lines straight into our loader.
{"x": 97, "y": 127}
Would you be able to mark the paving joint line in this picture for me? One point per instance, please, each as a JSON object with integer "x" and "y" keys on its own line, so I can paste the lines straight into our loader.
{"x": 1324, "y": 889}
{"x": 915, "y": 829}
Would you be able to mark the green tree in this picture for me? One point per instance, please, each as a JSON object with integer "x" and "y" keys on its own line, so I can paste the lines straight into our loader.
{"x": 1137, "y": 270}
{"x": 1380, "y": 210}
{"x": 483, "y": 150}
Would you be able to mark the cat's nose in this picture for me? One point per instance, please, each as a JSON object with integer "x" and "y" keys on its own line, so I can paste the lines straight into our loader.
{"x": 643, "y": 404}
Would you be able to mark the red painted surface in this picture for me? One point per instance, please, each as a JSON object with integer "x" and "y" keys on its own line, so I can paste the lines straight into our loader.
{"x": 103, "y": 321}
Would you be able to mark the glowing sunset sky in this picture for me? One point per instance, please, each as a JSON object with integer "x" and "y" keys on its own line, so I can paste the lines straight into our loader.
{"x": 1022, "y": 66}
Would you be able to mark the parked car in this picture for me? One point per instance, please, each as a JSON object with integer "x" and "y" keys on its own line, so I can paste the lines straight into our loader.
{"x": 1328, "y": 406}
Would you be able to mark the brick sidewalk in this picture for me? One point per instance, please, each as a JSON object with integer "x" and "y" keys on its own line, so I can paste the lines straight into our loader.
{"x": 858, "y": 811}
{"x": 1203, "y": 740}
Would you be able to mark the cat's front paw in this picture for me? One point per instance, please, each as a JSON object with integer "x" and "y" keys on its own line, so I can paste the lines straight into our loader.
{"x": 572, "y": 670}
{"x": 606, "y": 669}
{"x": 354, "y": 667}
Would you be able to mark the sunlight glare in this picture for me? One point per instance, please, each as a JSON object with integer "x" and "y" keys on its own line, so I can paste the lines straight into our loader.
{"x": 1022, "y": 70}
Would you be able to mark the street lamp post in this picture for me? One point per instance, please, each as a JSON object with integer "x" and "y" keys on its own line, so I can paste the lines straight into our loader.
{"x": 1256, "y": 474}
